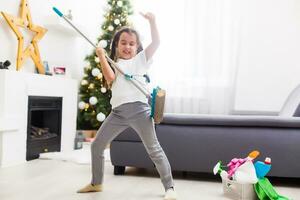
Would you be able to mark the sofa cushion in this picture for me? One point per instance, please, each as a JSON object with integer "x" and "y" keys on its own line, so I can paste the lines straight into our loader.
{"x": 216, "y": 120}
{"x": 230, "y": 120}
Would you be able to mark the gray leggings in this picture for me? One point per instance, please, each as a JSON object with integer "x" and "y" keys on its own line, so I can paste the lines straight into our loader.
{"x": 137, "y": 116}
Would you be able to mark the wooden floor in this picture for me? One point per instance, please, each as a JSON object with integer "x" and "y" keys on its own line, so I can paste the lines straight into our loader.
{"x": 59, "y": 180}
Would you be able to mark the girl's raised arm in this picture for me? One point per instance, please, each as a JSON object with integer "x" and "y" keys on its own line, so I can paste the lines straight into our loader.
{"x": 107, "y": 71}
{"x": 152, "y": 47}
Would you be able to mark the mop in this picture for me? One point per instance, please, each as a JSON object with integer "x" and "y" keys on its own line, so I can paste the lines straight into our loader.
{"x": 157, "y": 97}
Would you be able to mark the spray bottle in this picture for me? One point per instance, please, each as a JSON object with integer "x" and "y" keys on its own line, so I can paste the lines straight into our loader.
{"x": 246, "y": 173}
{"x": 262, "y": 168}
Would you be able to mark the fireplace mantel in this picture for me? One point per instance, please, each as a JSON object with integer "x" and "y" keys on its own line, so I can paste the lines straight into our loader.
{"x": 15, "y": 87}
{"x": 8, "y": 124}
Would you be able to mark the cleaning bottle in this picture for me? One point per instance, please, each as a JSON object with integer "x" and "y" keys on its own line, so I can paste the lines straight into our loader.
{"x": 246, "y": 173}
{"x": 262, "y": 168}
{"x": 235, "y": 163}
{"x": 218, "y": 169}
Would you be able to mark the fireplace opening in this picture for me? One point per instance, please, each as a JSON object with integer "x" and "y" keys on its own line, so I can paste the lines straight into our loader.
{"x": 43, "y": 126}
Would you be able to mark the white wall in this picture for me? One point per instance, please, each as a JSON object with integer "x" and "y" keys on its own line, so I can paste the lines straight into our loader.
{"x": 57, "y": 47}
{"x": 269, "y": 64}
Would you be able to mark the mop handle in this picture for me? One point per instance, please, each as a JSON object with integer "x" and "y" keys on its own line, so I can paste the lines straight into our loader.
{"x": 108, "y": 58}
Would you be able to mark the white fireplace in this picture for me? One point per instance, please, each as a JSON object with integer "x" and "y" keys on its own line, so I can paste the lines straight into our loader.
{"x": 15, "y": 87}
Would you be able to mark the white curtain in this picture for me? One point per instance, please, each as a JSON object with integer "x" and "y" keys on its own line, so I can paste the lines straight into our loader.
{"x": 197, "y": 60}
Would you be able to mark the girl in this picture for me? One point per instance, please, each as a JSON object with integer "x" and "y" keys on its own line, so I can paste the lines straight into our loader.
{"x": 129, "y": 105}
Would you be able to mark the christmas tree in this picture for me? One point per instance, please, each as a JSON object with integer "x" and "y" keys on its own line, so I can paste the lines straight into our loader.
{"x": 94, "y": 93}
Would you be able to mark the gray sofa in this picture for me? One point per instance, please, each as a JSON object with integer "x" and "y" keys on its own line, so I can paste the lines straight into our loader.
{"x": 194, "y": 143}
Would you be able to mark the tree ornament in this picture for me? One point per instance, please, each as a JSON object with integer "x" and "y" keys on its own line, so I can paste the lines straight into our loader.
{"x": 117, "y": 21}
{"x": 84, "y": 82}
{"x": 110, "y": 28}
{"x": 103, "y": 90}
{"x": 93, "y": 100}
{"x": 97, "y": 60}
{"x": 100, "y": 117}
{"x": 100, "y": 76}
{"x": 120, "y": 3}
{"x": 95, "y": 72}
{"x": 88, "y": 67}
{"x": 102, "y": 44}
{"x": 81, "y": 105}
{"x": 86, "y": 106}
{"x": 91, "y": 86}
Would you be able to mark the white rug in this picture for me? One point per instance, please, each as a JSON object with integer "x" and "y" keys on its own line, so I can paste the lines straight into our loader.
{"x": 79, "y": 156}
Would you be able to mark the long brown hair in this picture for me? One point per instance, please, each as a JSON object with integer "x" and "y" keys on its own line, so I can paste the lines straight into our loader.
{"x": 116, "y": 38}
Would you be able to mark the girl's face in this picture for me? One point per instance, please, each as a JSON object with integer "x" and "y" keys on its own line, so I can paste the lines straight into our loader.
{"x": 127, "y": 45}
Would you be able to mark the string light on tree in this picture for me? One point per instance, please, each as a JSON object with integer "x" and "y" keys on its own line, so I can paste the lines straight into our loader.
{"x": 91, "y": 86}
{"x": 117, "y": 21}
{"x": 99, "y": 76}
{"x": 84, "y": 82}
{"x": 110, "y": 28}
{"x": 97, "y": 60}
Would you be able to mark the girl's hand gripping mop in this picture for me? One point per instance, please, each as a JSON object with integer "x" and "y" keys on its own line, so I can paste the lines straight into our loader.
{"x": 157, "y": 97}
